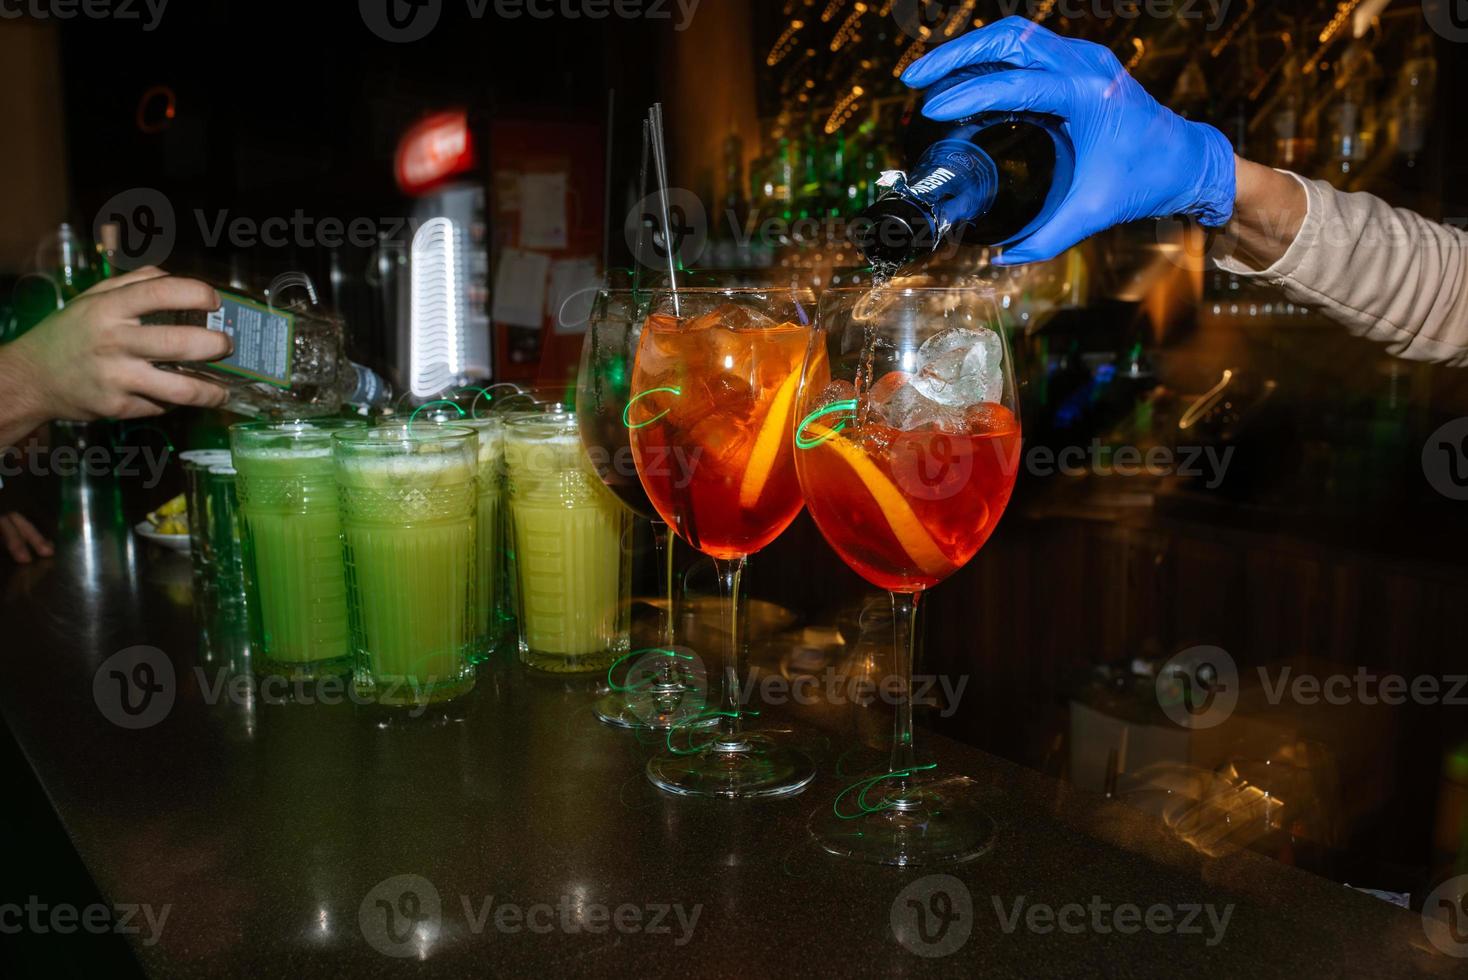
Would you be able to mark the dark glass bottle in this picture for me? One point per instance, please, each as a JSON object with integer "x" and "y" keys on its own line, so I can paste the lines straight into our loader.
{"x": 983, "y": 179}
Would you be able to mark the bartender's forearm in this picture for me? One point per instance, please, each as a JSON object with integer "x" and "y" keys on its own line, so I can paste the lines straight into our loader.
{"x": 21, "y": 411}
{"x": 1387, "y": 274}
{"x": 1269, "y": 210}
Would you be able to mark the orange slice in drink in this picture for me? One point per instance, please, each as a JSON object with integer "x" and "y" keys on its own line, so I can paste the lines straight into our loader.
{"x": 767, "y": 444}
{"x": 901, "y": 518}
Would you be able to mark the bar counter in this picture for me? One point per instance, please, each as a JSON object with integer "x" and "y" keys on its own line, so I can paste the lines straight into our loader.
{"x": 275, "y": 834}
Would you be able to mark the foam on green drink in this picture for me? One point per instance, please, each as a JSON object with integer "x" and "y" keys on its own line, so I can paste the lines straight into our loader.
{"x": 291, "y": 541}
{"x": 570, "y": 564}
{"x": 409, "y": 513}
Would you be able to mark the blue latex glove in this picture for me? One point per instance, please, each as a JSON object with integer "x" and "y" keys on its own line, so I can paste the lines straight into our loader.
{"x": 1135, "y": 159}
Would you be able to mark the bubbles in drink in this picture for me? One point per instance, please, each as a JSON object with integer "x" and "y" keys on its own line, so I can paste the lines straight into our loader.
{"x": 961, "y": 367}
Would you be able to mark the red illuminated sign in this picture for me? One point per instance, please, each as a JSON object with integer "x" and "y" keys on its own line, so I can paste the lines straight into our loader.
{"x": 435, "y": 148}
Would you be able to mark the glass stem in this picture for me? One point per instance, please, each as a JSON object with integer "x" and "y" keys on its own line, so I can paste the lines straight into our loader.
{"x": 905, "y": 645}
{"x": 662, "y": 542}
{"x": 731, "y": 574}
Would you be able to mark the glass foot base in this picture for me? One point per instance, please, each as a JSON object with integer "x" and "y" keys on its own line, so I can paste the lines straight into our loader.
{"x": 759, "y": 768}
{"x": 648, "y": 712}
{"x": 926, "y": 826}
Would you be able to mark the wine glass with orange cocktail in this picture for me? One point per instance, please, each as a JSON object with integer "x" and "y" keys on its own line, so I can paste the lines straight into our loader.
{"x": 907, "y": 448}
{"x": 710, "y": 416}
{"x": 661, "y": 696}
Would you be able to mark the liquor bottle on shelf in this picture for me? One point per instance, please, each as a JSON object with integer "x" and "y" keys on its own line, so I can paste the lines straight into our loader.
{"x": 1191, "y": 97}
{"x": 808, "y": 199}
{"x": 289, "y": 358}
{"x": 1416, "y": 87}
{"x": 985, "y": 177}
{"x": 761, "y": 187}
{"x": 1351, "y": 118}
{"x": 861, "y": 170}
{"x": 785, "y": 179}
{"x": 59, "y": 278}
{"x": 73, "y": 275}
{"x": 868, "y": 188}
{"x": 833, "y": 174}
{"x": 108, "y": 236}
{"x": 1294, "y": 143}
{"x": 736, "y": 205}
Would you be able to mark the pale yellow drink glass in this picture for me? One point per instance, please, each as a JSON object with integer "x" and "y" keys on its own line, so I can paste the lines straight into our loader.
{"x": 569, "y": 541}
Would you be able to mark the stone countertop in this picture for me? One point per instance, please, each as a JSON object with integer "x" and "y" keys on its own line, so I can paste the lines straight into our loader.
{"x": 278, "y": 835}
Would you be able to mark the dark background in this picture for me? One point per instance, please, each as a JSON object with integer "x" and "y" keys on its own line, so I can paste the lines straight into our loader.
{"x": 1336, "y": 553}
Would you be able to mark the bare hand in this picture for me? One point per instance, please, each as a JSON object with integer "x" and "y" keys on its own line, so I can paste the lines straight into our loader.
{"x": 22, "y": 540}
{"x": 94, "y": 359}
{"x": 1268, "y": 215}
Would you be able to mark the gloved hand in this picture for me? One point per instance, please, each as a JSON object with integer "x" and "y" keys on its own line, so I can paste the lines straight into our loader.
{"x": 1135, "y": 159}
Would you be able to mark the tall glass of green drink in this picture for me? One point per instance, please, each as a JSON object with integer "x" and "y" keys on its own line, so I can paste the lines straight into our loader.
{"x": 290, "y": 535}
{"x": 409, "y": 510}
{"x": 489, "y": 563}
{"x": 572, "y": 563}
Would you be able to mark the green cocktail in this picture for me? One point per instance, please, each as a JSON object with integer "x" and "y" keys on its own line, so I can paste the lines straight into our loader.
{"x": 572, "y": 568}
{"x": 409, "y": 503}
{"x": 290, "y": 536}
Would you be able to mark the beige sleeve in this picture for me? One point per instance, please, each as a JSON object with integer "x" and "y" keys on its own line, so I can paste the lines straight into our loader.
{"x": 1385, "y": 273}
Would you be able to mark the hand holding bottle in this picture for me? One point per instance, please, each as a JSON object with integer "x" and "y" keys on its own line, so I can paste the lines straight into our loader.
{"x": 1135, "y": 159}
{"x": 94, "y": 358}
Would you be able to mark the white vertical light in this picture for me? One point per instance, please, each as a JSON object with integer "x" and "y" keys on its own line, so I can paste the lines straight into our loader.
{"x": 436, "y": 316}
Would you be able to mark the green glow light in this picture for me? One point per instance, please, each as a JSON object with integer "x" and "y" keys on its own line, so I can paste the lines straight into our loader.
{"x": 483, "y": 393}
{"x": 627, "y": 412}
{"x": 847, "y": 406}
{"x": 440, "y": 401}
{"x": 864, "y": 786}
{"x": 661, "y": 651}
{"x": 694, "y": 724}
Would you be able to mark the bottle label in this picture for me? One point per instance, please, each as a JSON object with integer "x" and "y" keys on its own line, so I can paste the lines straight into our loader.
{"x": 956, "y": 181}
{"x": 264, "y": 339}
{"x": 370, "y": 390}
